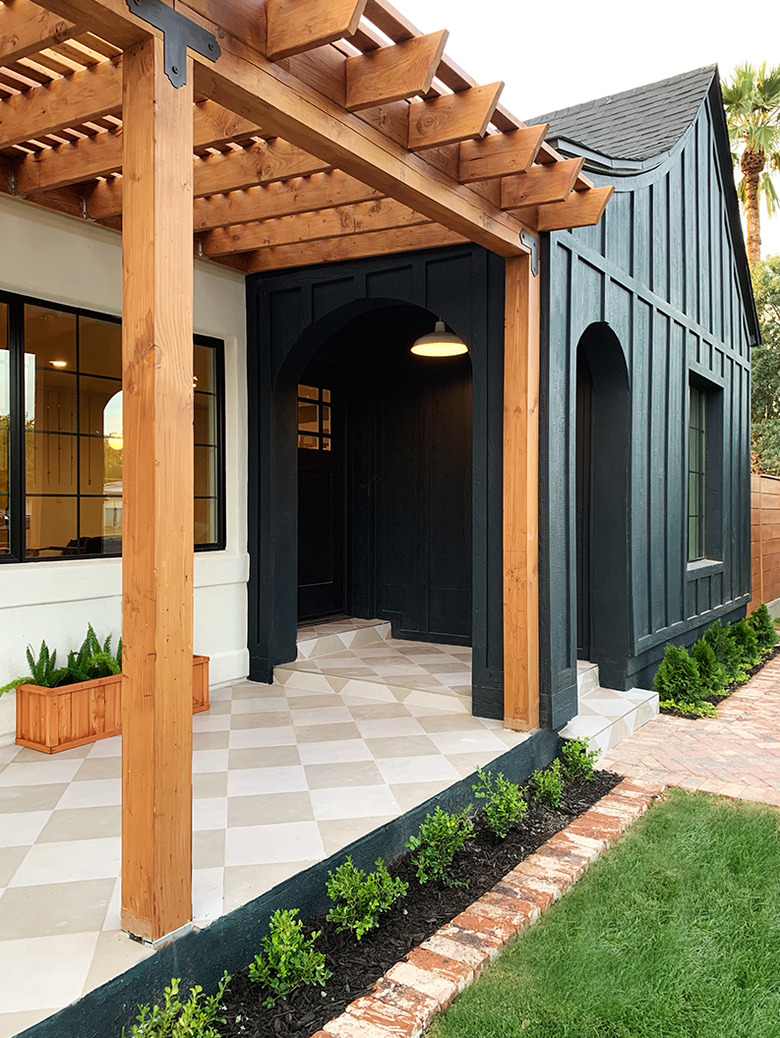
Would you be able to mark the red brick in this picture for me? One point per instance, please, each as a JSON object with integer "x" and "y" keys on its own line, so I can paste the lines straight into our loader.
{"x": 500, "y": 926}
{"x": 455, "y": 949}
{"x": 443, "y": 965}
{"x": 440, "y": 989}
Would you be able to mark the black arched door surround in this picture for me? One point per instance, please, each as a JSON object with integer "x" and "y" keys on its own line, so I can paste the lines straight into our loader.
{"x": 603, "y": 444}
{"x": 291, "y": 317}
{"x": 395, "y": 479}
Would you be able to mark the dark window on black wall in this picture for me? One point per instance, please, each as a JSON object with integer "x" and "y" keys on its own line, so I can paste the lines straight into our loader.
{"x": 705, "y": 471}
{"x": 61, "y": 441}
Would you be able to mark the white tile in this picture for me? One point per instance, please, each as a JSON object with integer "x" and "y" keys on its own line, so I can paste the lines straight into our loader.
{"x": 113, "y": 920}
{"x": 397, "y": 770}
{"x": 206, "y": 895}
{"x": 247, "y": 738}
{"x": 69, "y": 861}
{"x": 353, "y": 802}
{"x": 92, "y": 793}
{"x": 465, "y": 742}
{"x": 206, "y": 722}
{"x": 209, "y": 760}
{"x": 340, "y": 750}
{"x": 389, "y": 726}
{"x": 220, "y": 694}
{"x": 264, "y": 844}
{"x": 209, "y": 813}
{"x": 22, "y": 828}
{"x": 248, "y": 781}
{"x": 107, "y": 747}
{"x": 40, "y": 772}
{"x": 52, "y": 969}
{"x": 262, "y": 704}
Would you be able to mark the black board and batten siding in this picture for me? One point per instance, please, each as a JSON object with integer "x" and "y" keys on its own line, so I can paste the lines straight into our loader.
{"x": 659, "y": 286}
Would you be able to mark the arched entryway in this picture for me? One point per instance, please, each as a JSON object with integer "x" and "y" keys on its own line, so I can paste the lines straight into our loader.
{"x": 384, "y": 477}
{"x": 603, "y": 431}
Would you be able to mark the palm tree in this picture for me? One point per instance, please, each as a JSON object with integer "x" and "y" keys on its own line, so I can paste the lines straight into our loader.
{"x": 752, "y": 101}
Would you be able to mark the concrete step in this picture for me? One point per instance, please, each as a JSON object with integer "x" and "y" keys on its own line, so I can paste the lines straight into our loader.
{"x": 328, "y": 638}
{"x": 606, "y": 716}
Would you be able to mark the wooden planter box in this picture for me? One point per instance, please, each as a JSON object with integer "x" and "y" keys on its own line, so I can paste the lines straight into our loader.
{"x": 54, "y": 719}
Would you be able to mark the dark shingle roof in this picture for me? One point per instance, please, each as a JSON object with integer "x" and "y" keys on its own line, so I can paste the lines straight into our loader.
{"x": 637, "y": 124}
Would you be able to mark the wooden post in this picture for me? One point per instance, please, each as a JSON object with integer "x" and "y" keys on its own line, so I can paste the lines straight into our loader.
{"x": 521, "y": 500}
{"x": 158, "y": 497}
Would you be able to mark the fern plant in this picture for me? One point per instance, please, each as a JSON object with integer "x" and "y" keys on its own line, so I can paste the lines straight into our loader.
{"x": 92, "y": 660}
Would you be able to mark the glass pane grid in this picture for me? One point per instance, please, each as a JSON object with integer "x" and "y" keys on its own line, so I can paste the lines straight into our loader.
{"x": 697, "y": 435}
{"x": 314, "y": 418}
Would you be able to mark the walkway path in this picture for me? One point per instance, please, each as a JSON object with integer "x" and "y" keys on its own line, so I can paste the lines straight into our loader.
{"x": 736, "y": 754}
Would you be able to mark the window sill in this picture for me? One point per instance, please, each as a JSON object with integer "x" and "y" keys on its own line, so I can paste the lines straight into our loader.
{"x": 704, "y": 568}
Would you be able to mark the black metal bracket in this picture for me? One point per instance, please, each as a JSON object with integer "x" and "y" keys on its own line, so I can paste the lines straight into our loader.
{"x": 531, "y": 242}
{"x": 179, "y": 33}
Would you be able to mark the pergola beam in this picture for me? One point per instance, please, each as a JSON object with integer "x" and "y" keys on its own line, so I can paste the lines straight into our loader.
{"x": 294, "y": 26}
{"x": 244, "y": 81}
{"x": 452, "y": 117}
{"x": 25, "y": 28}
{"x": 581, "y": 209}
{"x": 501, "y": 154}
{"x": 364, "y": 217}
{"x": 541, "y": 184}
{"x": 393, "y": 73}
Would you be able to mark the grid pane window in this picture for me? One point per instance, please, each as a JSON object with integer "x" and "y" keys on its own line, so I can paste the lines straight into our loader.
{"x": 314, "y": 421}
{"x": 697, "y": 437}
{"x": 69, "y": 382}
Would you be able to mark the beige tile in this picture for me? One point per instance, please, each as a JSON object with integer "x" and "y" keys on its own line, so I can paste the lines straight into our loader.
{"x": 210, "y": 784}
{"x": 410, "y": 794}
{"x": 210, "y": 740}
{"x": 81, "y": 823}
{"x": 208, "y": 849}
{"x": 114, "y": 953}
{"x": 99, "y": 768}
{"x": 396, "y": 746}
{"x": 315, "y": 700}
{"x": 269, "y": 809}
{"x": 267, "y": 719}
{"x": 326, "y": 732}
{"x": 59, "y": 908}
{"x": 255, "y": 692}
{"x": 341, "y": 832}
{"x": 263, "y": 757}
{"x": 338, "y": 775}
{"x": 10, "y": 860}
{"x": 244, "y": 883}
{"x": 28, "y": 756}
{"x": 451, "y": 723}
{"x": 371, "y": 711}
{"x": 12, "y": 1024}
{"x": 466, "y": 763}
{"x": 31, "y": 798}
{"x": 221, "y": 706}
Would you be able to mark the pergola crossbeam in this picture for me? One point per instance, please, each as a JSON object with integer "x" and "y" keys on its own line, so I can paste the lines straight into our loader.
{"x": 542, "y": 184}
{"x": 452, "y": 117}
{"x": 393, "y": 73}
{"x": 26, "y": 28}
{"x": 294, "y": 26}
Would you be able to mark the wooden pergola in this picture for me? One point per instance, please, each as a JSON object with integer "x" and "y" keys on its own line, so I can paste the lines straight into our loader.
{"x": 278, "y": 133}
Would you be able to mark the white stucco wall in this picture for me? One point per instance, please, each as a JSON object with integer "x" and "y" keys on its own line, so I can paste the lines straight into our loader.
{"x": 64, "y": 261}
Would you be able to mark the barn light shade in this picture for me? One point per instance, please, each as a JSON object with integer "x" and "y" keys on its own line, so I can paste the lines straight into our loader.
{"x": 439, "y": 343}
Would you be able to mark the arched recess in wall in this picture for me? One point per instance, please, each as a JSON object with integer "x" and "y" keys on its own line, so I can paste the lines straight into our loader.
{"x": 603, "y": 446}
{"x": 406, "y": 427}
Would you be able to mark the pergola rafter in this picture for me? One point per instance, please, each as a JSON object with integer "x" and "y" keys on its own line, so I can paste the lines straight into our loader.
{"x": 325, "y": 130}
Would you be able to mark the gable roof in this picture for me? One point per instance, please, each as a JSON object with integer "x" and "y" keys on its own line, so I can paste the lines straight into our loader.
{"x": 635, "y": 125}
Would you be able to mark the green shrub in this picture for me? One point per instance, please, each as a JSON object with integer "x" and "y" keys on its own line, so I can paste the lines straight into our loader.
{"x": 726, "y": 650}
{"x": 177, "y": 1019}
{"x": 361, "y": 897}
{"x": 548, "y": 785}
{"x": 747, "y": 643}
{"x": 764, "y": 629}
{"x": 579, "y": 760}
{"x": 441, "y": 836}
{"x": 700, "y": 709}
{"x": 711, "y": 673}
{"x": 505, "y": 804}
{"x": 677, "y": 678}
{"x": 288, "y": 958}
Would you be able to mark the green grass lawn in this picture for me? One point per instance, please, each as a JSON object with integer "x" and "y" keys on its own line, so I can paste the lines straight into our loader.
{"x": 674, "y": 933}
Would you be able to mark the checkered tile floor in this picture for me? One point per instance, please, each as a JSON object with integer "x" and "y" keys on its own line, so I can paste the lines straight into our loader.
{"x": 283, "y": 776}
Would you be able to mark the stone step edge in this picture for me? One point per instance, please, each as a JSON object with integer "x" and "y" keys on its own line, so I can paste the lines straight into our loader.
{"x": 405, "y": 1000}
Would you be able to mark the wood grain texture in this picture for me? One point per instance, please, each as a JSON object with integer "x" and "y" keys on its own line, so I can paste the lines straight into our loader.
{"x": 501, "y": 154}
{"x": 26, "y": 28}
{"x": 521, "y": 492}
{"x": 393, "y": 73}
{"x": 452, "y": 117}
{"x": 298, "y": 25}
{"x": 581, "y": 209}
{"x": 157, "y": 564}
{"x": 765, "y": 537}
{"x": 541, "y": 184}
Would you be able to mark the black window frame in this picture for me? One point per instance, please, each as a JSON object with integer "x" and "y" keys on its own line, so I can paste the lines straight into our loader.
{"x": 16, "y": 461}
{"x": 711, "y": 479}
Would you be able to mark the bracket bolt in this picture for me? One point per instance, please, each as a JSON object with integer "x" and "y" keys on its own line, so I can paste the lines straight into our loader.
{"x": 175, "y": 69}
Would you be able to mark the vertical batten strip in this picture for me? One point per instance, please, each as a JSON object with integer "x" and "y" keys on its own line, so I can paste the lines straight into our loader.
{"x": 158, "y": 497}
{"x": 521, "y": 496}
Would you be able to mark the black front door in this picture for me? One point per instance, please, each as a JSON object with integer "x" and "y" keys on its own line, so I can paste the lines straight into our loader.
{"x": 321, "y": 512}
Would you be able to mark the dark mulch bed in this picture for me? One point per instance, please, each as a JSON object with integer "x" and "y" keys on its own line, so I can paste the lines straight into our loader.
{"x": 357, "y": 965}
{"x": 729, "y": 689}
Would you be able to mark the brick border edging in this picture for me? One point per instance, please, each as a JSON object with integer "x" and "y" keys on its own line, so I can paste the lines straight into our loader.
{"x": 405, "y": 1000}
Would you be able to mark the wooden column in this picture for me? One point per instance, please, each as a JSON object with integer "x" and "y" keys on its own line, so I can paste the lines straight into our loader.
{"x": 158, "y": 505}
{"x": 521, "y": 496}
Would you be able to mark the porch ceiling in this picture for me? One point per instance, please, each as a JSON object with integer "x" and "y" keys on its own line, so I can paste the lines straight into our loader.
{"x": 323, "y": 132}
